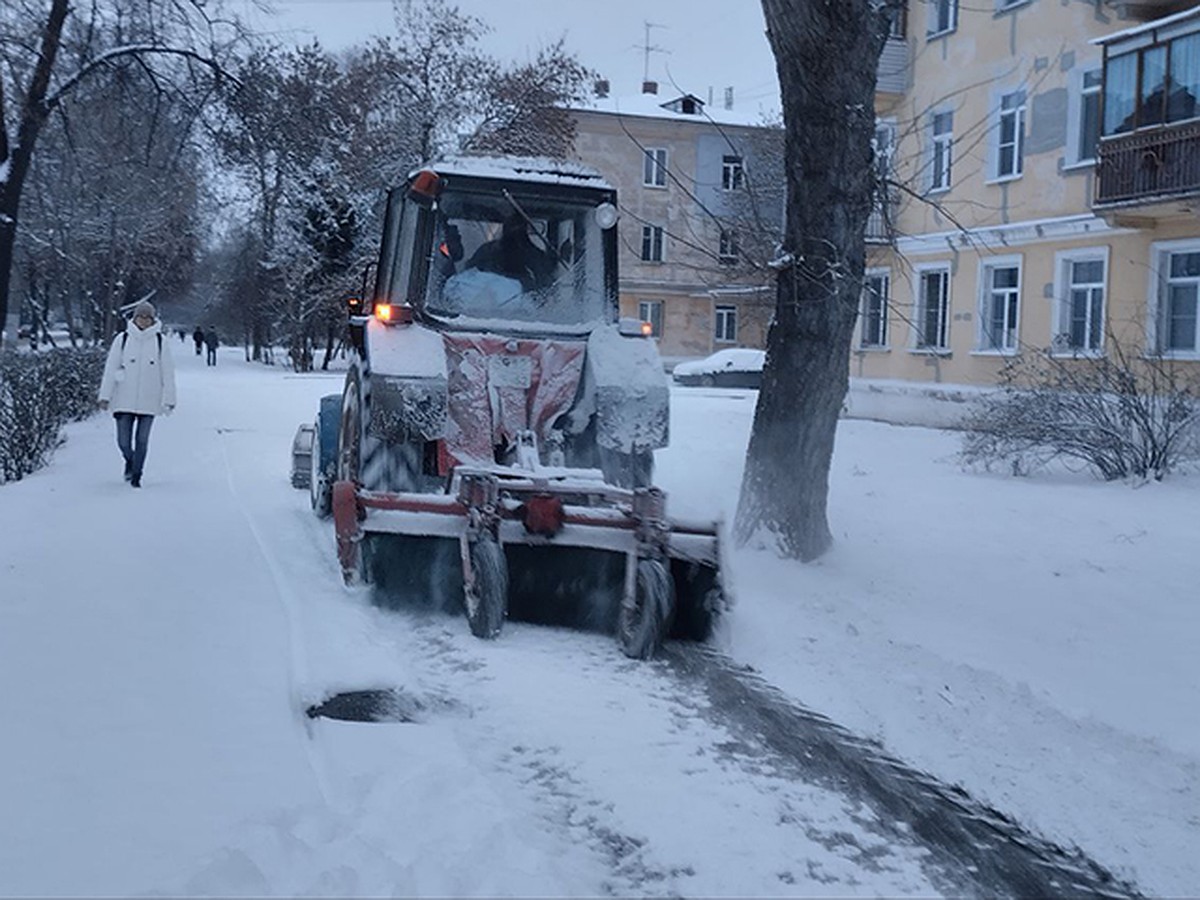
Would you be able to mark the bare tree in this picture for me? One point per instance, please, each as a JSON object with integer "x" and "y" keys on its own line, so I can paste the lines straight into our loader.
{"x": 48, "y": 51}
{"x": 527, "y": 110}
{"x": 826, "y": 56}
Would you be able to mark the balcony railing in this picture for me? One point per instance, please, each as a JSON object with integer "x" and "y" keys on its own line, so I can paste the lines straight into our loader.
{"x": 1148, "y": 165}
{"x": 1145, "y": 10}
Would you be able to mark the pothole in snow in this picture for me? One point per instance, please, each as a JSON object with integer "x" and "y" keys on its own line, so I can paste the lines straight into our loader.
{"x": 373, "y": 705}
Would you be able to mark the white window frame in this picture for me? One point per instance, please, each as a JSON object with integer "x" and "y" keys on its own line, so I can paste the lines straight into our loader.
{"x": 654, "y": 167}
{"x": 932, "y": 8}
{"x": 733, "y": 172}
{"x": 724, "y": 321}
{"x": 1077, "y": 94}
{"x": 657, "y": 237}
{"x": 885, "y": 313}
{"x": 941, "y": 153}
{"x": 1006, "y": 5}
{"x": 1017, "y": 114}
{"x": 1160, "y": 252}
{"x": 652, "y": 311}
{"x": 1063, "y": 286}
{"x": 983, "y": 308}
{"x": 941, "y": 348}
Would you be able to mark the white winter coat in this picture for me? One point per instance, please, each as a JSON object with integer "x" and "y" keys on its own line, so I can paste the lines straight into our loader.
{"x": 139, "y": 375}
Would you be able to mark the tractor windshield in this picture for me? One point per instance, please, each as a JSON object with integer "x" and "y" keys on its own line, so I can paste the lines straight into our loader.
{"x": 516, "y": 258}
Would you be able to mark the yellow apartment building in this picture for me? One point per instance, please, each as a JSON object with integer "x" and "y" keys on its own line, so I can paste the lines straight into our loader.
{"x": 1049, "y": 153}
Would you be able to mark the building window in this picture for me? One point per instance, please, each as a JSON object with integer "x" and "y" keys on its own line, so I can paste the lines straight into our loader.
{"x": 727, "y": 251}
{"x": 1000, "y": 306}
{"x": 942, "y": 142}
{"x": 1153, "y": 85}
{"x": 933, "y": 310}
{"x": 1081, "y": 302}
{"x": 726, "y": 325}
{"x": 731, "y": 173}
{"x": 654, "y": 168}
{"x": 1086, "y": 121}
{"x": 876, "y": 289}
{"x": 652, "y": 243}
{"x": 652, "y": 311}
{"x": 1010, "y": 136}
{"x": 1179, "y": 301}
{"x": 943, "y": 17}
{"x": 899, "y": 29}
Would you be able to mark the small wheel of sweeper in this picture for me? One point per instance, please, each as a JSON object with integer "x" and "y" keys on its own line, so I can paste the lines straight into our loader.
{"x": 487, "y": 598}
{"x": 641, "y": 629}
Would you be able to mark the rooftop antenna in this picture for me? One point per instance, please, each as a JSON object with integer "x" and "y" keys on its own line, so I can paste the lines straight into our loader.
{"x": 647, "y": 48}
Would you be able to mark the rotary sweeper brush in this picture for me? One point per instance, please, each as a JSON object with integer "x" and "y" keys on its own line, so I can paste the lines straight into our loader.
{"x": 495, "y": 435}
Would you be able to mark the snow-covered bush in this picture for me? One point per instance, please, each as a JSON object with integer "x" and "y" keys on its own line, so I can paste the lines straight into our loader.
{"x": 39, "y": 393}
{"x": 1121, "y": 415}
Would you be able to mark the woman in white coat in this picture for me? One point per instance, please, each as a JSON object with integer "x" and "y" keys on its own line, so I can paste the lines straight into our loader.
{"x": 138, "y": 384}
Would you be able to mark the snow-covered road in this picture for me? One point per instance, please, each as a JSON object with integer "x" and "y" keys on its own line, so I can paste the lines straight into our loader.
{"x": 158, "y": 650}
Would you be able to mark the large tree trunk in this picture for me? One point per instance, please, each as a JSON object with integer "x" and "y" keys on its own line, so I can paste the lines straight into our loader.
{"x": 826, "y": 55}
{"x": 18, "y": 156}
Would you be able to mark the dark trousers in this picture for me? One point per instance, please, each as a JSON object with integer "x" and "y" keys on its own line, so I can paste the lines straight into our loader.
{"x": 133, "y": 447}
{"x": 211, "y": 359}
{"x": 199, "y": 344}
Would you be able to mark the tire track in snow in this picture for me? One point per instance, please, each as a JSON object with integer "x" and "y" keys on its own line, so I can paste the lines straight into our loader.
{"x": 987, "y": 848}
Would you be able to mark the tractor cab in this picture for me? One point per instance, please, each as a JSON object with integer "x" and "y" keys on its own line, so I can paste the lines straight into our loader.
{"x": 528, "y": 247}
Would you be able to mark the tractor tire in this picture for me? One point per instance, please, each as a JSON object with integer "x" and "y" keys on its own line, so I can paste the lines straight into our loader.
{"x": 320, "y": 490}
{"x": 641, "y": 630}
{"x": 350, "y": 430}
{"x": 487, "y": 601}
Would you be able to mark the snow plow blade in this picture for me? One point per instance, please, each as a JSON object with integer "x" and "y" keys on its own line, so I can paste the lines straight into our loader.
{"x": 564, "y": 550}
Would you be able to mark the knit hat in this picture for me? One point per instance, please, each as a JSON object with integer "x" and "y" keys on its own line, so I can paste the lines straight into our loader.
{"x": 145, "y": 308}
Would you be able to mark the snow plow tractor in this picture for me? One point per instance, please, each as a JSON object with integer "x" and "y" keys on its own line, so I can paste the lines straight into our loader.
{"x": 494, "y": 440}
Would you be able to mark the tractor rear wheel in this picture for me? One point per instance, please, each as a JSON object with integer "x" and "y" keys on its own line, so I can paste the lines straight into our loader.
{"x": 642, "y": 627}
{"x": 349, "y": 458}
{"x": 487, "y": 598}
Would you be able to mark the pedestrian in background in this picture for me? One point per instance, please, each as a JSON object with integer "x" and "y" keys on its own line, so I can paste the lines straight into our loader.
{"x": 138, "y": 384}
{"x": 198, "y": 339}
{"x": 212, "y": 342}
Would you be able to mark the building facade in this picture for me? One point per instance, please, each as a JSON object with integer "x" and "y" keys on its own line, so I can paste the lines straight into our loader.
{"x": 1050, "y": 156}
{"x": 696, "y": 227}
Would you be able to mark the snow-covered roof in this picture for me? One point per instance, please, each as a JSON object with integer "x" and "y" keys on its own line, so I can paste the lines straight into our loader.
{"x": 1136, "y": 30}
{"x": 671, "y": 106}
{"x": 520, "y": 168}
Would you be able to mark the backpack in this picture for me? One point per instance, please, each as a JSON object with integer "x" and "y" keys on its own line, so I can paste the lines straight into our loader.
{"x": 125, "y": 339}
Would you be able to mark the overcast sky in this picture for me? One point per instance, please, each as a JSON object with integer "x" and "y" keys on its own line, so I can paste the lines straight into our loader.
{"x": 703, "y": 44}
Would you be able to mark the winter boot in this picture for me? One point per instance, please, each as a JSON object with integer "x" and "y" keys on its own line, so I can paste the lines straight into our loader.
{"x": 128, "y": 470}
{"x": 136, "y": 479}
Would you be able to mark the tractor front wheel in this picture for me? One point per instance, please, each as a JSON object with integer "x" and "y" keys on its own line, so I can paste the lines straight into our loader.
{"x": 320, "y": 491}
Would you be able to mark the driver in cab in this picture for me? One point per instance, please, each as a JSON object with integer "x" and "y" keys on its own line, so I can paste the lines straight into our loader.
{"x": 514, "y": 255}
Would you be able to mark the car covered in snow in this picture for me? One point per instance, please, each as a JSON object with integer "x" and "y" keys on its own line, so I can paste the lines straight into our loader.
{"x": 735, "y": 367}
